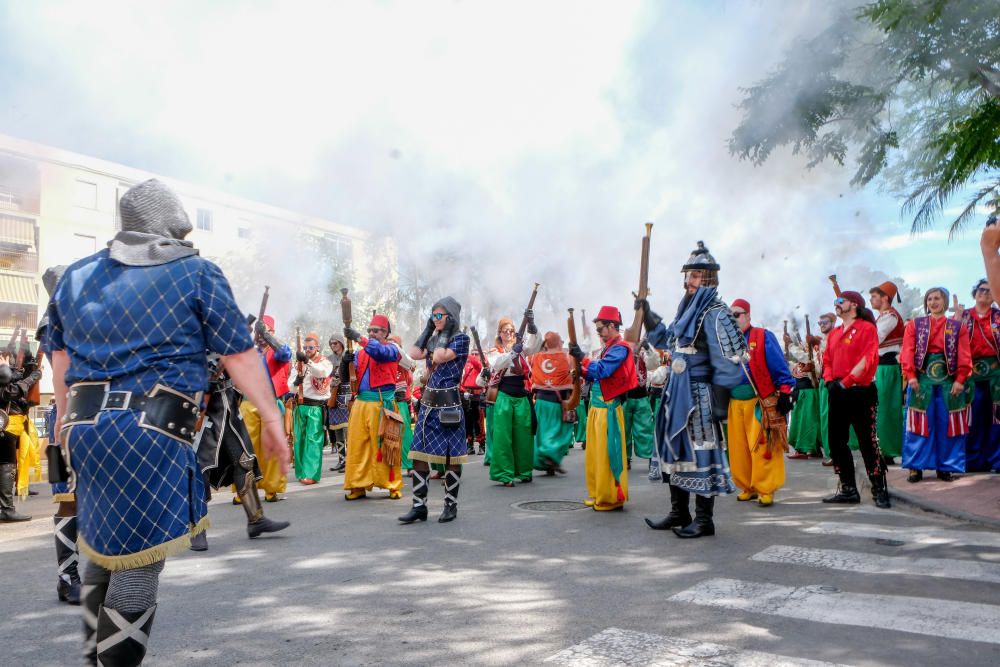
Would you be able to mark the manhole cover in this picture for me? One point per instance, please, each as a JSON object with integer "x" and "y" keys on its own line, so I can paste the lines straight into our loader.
{"x": 550, "y": 505}
{"x": 890, "y": 543}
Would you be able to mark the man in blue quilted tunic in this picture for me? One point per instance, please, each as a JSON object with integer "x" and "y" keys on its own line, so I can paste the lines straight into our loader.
{"x": 129, "y": 332}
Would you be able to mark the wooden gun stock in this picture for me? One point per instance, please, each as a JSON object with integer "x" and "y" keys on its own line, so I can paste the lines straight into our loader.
{"x": 836, "y": 285}
{"x": 345, "y": 313}
{"x": 573, "y": 401}
{"x": 634, "y": 333}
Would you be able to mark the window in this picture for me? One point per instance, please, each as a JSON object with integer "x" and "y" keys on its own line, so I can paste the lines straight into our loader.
{"x": 119, "y": 192}
{"x": 85, "y": 194}
{"x": 339, "y": 248}
{"x": 243, "y": 232}
{"x": 204, "y": 220}
{"x": 83, "y": 246}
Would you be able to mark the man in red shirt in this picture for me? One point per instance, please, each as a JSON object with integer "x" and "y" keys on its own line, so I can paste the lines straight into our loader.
{"x": 849, "y": 365}
{"x": 982, "y": 322}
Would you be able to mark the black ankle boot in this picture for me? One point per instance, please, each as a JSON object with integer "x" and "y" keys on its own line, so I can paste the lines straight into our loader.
{"x": 265, "y": 525}
{"x": 702, "y": 526}
{"x": 122, "y": 636}
{"x": 680, "y": 513}
{"x": 419, "y": 510}
{"x": 68, "y": 587}
{"x": 880, "y": 491}
{"x": 451, "y": 483}
{"x": 847, "y": 494}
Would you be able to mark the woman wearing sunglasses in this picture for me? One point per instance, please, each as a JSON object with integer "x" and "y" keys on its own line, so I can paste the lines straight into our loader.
{"x": 936, "y": 361}
{"x": 439, "y": 435}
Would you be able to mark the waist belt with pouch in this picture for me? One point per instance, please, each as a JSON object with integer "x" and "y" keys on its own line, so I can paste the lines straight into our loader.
{"x": 448, "y": 403}
{"x": 162, "y": 409}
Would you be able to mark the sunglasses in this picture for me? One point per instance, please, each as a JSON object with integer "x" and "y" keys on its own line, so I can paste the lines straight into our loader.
{"x": 375, "y": 330}
{"x": 506, "y": 331}
{"x": 738, "y": 313}
{"x": 438, "y": 316}
{"x": 310, "y": 347}
{"x": 984, "y": 290}
{"x": 825, "y": 322}
{"x": 840, "y": 301}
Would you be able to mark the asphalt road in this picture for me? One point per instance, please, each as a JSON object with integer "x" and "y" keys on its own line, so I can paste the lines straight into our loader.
{"x": 504, "y": 585}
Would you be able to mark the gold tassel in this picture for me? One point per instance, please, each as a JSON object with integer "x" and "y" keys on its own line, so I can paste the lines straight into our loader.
{"x": 146, "y": 556}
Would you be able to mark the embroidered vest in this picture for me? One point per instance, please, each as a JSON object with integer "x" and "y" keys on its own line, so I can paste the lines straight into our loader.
{"x": 759, "y": 372}
{"x": 922, "y": 335}
{"x": 380, "y": 374}
{"x": 624, "y": 378}
{"x": 895, "y": 336}
{"x": 971, "y": 323}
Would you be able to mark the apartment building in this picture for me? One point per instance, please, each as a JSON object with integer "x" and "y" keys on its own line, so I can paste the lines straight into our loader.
{"x": 57, "y": 207}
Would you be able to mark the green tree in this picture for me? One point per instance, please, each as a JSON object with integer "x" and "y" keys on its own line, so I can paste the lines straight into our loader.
{"x": 911, "y": 86}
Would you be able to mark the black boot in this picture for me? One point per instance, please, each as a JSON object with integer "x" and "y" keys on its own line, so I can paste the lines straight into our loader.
{"x": 67, "y": 556}
{"x": 880, "y": 491}
{"x": 702, "y": 525}
{"x": 680, "y": 512}
{"x": 847, "y": 494}
{"x": 8, "y": 478}
{"x": 95, "y": 588}
{"x": 451, "y": 483}
{"x": 199, "y": 542}
{"x": 257, "y": 523}
{"x": 122, "y": 636}
{"x": 419, "y": 510}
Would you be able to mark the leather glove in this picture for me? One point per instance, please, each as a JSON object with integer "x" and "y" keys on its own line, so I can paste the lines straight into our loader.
{"x": 448, "y": 332}
{"x": 785, "y": 404}
{"x": 485, "y": 374}
{"x": 298, "y": 381}
{"x": 576, "y": 352}
{"x": 352, "y": 334}
{"x": 301, "y": 356}
{"x": 518, "y": 346}
{"x": 640, "y": 303}
{"x": 529, "y": 316}
{"x": 426, "y": 335}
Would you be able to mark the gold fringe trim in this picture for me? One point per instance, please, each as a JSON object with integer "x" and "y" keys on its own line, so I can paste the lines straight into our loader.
{"x": 146, "y": 556}
{"x": 68, "y": 497}
{"x": 434, "y": 458}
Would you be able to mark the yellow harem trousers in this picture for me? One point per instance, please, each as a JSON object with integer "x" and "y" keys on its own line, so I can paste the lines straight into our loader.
{"x": 29, "y": 453}
{"x": 600, "y": 482}
{"x": 363, "y": 470}
{"x": 750, "y": 470}
{"x": 272, "y": 481}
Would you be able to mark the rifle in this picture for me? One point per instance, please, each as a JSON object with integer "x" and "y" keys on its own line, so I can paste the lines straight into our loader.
{"x": 479, "y": 347}
{"x": 23, "y": 349}
{"x": 345, "y": 312}
{"x": 812, "y": 360}
{"x": 574, "y": 397}
{"x": 584, "y": 325}
{"x": 12, "y": 344}
{"x": 258, "y": 340}
{"x": 634, "y": 332}
{"x": 491, "y": 392}
{"x": 785, "y": 340}
{"x": 299, "y": 369}
{"x": 836, "y": 285}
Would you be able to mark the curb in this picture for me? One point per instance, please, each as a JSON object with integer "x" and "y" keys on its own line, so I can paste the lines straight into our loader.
{"x": 927, "y": 506}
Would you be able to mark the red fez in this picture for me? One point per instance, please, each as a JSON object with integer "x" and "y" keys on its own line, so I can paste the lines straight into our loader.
{"x": 379, "y": 321}
{"x": 268, "y": 321}
{"x": 742, "y": 304}
{"x": 609, "y": 314}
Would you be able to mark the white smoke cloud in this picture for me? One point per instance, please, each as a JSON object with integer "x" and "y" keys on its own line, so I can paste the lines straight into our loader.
{"x": 527, "y": 141}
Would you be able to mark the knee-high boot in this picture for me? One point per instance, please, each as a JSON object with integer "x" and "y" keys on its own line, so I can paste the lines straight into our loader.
{"x": 452, "y": 479}
{"x": 702, "y": 525}
{"x": 419, "y": 509}
{"x": 257, "y": 523}
{"x": 122, "y": 636}
{"x": 8, "y": 480}
{"x": 67, "y": 556}
{"x": 680, "y": 512}
{"x": 95, "y": 588}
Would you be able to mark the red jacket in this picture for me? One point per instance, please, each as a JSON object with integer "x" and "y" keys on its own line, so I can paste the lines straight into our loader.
{"x": 473, "y": 367}
{"x": 279, "y": 371}
{"x": 845, "y": 348}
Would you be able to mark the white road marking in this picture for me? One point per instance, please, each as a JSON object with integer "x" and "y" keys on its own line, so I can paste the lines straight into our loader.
{"x": 640, "y": 649}
{"x": 915, "y": 535}
{"x": 865, "y": 563}
{"x": 925, "y": 616}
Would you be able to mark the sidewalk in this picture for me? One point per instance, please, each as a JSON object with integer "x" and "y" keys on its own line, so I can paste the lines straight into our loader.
{"x": 972, "y": 497}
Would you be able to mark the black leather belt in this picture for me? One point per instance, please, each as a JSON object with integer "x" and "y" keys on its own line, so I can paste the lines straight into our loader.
{"x": 889, "y": 359}
{"x": 163, "y": 409}
{"x": 441, "y": 398}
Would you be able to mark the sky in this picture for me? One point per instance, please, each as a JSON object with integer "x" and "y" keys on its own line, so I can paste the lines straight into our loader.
{"x": 532, "y": 140}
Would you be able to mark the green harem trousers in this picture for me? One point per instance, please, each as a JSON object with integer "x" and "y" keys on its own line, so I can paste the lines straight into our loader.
{"x": 512, "y": 450}
{"x": 638, "y": 427}
{"x": 804, "y": 425}
{"x": 554, "y": 436}
{"x": 889, "y": 416}
{"x": 309, "y": 441}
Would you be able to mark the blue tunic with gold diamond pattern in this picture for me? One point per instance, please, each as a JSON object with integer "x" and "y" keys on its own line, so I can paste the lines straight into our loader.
{"x": 139, "y": 492}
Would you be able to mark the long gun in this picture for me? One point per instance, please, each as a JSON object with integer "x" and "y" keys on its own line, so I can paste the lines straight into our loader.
{"x": 573, "y": 401}
{"x": 345, "y": 312}
{"x": 634, "y": 333}
{"x": 479, "y": 347}
{"x": 491, "y": 393}
{"x": 812, "y": 360}
{"x": 836, "y": 285}
{"x": 299, "y": 369}
{"x": 23, "y": 350}
{"x": 260, "y": 317}
{"x": 12, "y": 344}
{"x": 785, "y": 340}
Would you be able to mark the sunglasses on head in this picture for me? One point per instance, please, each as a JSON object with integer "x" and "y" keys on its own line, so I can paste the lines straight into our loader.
{"x": 438, "y": 316}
